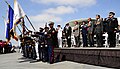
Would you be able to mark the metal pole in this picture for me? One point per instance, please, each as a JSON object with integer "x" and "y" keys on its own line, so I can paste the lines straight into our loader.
{"x": 19, "y": 29}
{"x": 25, "y": 27}
{"x": 30, "y": 22}
{"x": 7, "y": 3}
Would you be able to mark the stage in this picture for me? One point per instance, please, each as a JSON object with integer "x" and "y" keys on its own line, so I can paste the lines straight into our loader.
{"x": 108, "y": 57}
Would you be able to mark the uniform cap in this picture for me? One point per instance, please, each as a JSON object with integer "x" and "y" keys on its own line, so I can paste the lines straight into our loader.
{"x": 111, "y": 13}
{"x": 51, "y": 23}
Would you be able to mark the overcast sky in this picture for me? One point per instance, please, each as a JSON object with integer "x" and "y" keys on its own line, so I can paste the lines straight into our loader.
{"x": 59, "y": 11}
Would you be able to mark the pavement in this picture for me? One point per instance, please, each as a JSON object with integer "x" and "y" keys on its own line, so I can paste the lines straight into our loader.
{"x": 15, "y": 61}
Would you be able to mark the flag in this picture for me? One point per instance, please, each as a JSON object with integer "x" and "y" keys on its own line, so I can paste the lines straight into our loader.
{"x": 18, "y": 13}
{"x": 9, "y": 26}
{"x": 9, "y": 23}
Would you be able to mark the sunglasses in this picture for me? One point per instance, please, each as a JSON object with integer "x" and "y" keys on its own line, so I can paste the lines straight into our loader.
{"x": 110, "y": 15}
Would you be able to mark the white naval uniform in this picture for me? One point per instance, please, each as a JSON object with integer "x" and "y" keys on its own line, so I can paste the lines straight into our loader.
{"x": 59, "y": 36}
{"x": 36, "y": 49}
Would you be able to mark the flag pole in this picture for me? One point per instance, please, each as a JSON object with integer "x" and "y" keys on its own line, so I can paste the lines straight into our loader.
{"x": 25, "y": 27}
{"x": 19, "y": 29}
{"x": 30, "y": 22}
{"x": 46, "y": 25}
{"x": 7, "y": 3}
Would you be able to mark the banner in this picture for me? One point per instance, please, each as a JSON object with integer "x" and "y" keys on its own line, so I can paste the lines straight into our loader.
{"x": 18, "y": 14}
{"x": 9, "y": 26}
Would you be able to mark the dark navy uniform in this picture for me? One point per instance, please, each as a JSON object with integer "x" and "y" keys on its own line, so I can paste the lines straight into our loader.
{"x": 46, "y": 46}
{"x": 112, "y": 24}
{"x": 111, "y": 28}
{"x": 41, "y": 46}
{"x": 84, "y": 35}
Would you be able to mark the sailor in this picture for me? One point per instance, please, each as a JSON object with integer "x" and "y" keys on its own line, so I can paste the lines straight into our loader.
{"x": 59, "y": 35}
{"x": 111, "y": 28}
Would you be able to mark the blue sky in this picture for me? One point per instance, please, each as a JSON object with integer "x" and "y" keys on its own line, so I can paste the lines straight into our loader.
{"x": 59, "y": 11}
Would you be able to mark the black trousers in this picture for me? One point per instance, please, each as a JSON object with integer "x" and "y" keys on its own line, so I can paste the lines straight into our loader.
{"x": 69, "y": 42}
{"x": 112, "y": 39}
{"x": 99, "y": 39}
{"x": 34, "y": 52}
{"x": 1, "y": 50}
{"x": 26, "y": 51}
{"x": 45, "y": 54}
{"x": 40, "y": 51}
{"x": 84, "y": 38}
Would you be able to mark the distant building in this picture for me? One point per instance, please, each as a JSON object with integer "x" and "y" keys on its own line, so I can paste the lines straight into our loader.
{"x": 71, "y": 23}
{"x": 85, "y": 19}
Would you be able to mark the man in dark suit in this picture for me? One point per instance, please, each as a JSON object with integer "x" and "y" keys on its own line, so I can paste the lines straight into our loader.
{"x": 111, "y": 28}
{"x": 67, "y": 30}
{"x": 98, "y": 31}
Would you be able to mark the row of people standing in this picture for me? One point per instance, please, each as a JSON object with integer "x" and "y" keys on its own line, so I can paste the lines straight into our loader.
{"x": 91, "y": 28}
{"x": 100, "y": 26}
{"x": 88, "y": 30}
